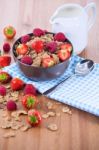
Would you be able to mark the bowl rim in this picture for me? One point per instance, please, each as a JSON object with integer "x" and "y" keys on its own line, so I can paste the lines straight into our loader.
{"x": 26, "y": 65}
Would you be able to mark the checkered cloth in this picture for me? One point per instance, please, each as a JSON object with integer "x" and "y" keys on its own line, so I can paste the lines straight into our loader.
{"x": 81, "y": 92}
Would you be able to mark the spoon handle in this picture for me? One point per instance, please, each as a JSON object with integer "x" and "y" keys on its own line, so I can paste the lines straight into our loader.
{"x": 54, "y": 87}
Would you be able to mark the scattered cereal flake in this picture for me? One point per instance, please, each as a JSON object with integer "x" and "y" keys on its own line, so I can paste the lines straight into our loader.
{"x": 51, "y": 114}
{"x": 15, "y": 127}
{"x": 66, "y": 110}
{"x": 4, "y": 114}
{"x": 24, "y": 128}
{"x": 17, "y": 118}
{"x": 52, "y": 127}
{"x": 1, "y": 100}
{"x": 14, "y": 114}
{"x": 7, "y": 86}
{"x": 9, "y": 134}
{"x": 58, "y": 114}
{"x": 14, "y": 94}
{"x": 1, "y": 97}
{"x": 18, "y": 113}
{"x": 8, "y": 118}
{"x": 49, "y": 105}
{"x": 22, "y": 112}
{"x": 45, "y": 116}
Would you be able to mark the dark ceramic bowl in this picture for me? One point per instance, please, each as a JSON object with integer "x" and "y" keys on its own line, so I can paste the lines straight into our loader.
{"x": 40, "y": 73}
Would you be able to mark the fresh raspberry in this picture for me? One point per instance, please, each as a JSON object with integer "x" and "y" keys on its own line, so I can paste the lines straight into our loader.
{"x": 59, "y": 37}
{"x": 30, "y": 89}
{"x": 27, "y": 60}
{"x": 2, "y": 90}
{"x": 38, "y": 32}
{"x": 11, "y": 105}
{"x": 25, "y": 38}
{"x": 51, "y": 46}
{"x": 6, "y": 47}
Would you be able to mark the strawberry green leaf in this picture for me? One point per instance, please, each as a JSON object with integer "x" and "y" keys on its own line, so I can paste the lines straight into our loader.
{"x": 30, "y": 101}
{"x": 33, "y": 119}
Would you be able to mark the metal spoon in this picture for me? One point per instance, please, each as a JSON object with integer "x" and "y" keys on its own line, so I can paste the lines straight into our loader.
{"x": 82, "y": 68}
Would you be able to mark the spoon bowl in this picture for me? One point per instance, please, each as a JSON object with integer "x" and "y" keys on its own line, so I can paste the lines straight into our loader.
{"x": 82, "y": 68}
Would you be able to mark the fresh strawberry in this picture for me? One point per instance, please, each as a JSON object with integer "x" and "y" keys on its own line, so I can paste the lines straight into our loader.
{"x": 9, "y": 32}
{"x": 47, "y": 62}
{"x": 66, "y": 46}
{"x": 63, "y": 54}
{"x": 22, "y": 49}
{"x": 29, "y": 101}
{"x": 5, "y": 61}
{"x": 5, "y": 77}
{"x": 17, "y": 84}
{"x": 34, "y": 117}
{"x": 38, "y": 46}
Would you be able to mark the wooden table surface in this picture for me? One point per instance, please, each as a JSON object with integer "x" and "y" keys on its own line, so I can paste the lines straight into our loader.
{"x": 79, "y": 131}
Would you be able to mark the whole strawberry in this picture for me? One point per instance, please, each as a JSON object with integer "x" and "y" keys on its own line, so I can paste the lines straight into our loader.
{"x": 5, "y": 77}
{"x": 2, "y": 90}
{"x": 34, "y": 117}
{"x": 5, "y": 61}
{"x": 17, "y": 84}
{"x": 29, "y": 101}
{"x": 9, "y": 32}
{"x": 30, "y": 89}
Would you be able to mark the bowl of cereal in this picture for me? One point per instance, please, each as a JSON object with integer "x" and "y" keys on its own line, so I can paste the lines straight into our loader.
{"x": 43, "y": 55}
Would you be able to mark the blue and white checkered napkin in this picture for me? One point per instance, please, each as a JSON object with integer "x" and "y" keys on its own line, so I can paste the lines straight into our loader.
{"x": 79, "y": 92}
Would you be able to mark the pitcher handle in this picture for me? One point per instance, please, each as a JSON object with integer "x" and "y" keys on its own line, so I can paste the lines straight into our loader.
{"x": 91, "y": 21}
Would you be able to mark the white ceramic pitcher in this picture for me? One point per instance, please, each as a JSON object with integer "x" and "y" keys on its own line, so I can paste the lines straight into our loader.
{"x": 73, "y": 20}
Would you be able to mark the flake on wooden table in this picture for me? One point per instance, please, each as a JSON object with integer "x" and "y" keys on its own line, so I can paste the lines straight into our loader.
{"x": 18, "y": 113}
{"x": 45, "y": 116}
{"x": 51, "y": 114}
{"x": 22, "y": 112}
{"x": 15, "y": 94}
{"x": 52, "y": 127}
{"x": 49, "y": 105}
{"x": 66, "y": 110}
{"x": 9, "y": 134}
{"x": 7, "y": 86}
{"x": 25, "y": 128}
{"x": 4, "y": 114}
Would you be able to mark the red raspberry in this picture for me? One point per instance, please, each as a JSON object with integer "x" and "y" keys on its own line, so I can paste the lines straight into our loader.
{"x": 11, "y": 105}
{"x": 2, "y": 90}
{"x": 38, "y": 32}
{"x": 59, "y": 37}
{"x": 6, "y": 47}
{"x": 51, "y": 46}
{"x": 25, "y": 38}
{"x": 27, "y": 60}
{"x": 30, "y": 89}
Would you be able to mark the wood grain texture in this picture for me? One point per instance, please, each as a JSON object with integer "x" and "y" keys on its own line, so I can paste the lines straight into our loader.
{"x": 79, "y": 131}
